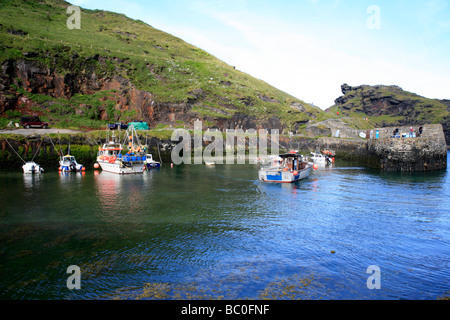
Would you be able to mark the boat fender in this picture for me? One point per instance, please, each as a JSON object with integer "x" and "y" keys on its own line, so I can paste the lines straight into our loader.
{"x": 315, "y": 166}
{"x": 295, "y": 173}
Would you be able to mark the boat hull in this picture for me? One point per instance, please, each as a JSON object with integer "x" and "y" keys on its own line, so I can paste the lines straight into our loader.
{"x": 71, "y": 168}
{"x": 153, "y": 165}
{"x": 279, "y": 176}
{"x": 117, "y": 167}
{"x": 32, "y": 167}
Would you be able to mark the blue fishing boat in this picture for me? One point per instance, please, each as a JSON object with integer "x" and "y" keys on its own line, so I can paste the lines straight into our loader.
{"x": 291, "y": 168}
{"x": 150, "y": 163}
{"x": 68, "y": 163}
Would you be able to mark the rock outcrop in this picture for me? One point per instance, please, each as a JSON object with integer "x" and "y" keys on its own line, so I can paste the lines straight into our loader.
{"x": 121, "y": 95}
{"x": 391, "y": 106}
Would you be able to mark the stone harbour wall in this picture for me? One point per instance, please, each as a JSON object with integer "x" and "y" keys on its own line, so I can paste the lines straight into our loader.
{"x": 425, "y": 153}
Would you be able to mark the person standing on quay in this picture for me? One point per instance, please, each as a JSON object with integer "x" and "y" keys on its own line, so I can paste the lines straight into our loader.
{"x": 411, "y": 129}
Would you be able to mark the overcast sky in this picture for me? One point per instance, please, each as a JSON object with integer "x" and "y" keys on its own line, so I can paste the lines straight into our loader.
{"x": 308, "y": 48}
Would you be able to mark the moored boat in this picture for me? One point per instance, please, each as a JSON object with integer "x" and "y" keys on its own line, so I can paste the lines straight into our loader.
{"x": 110, "y": 156}
{"x": 32, "y": 167}
{"x": 318, "y": 158}
{"x": 291, "y": 168}
{"x": 150, "y": 163}
{"x": 69, "y": 163}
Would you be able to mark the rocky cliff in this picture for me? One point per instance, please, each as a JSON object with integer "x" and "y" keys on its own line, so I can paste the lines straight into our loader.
{"x": 118, "y": 69}
{"x": 392, "y": 106}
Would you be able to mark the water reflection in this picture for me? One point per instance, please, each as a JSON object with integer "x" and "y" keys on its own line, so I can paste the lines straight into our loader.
{"x": 218, "y": 224}
{"x": 32, "y": 180}
{"x": 122, "y": 195}
{"x": 68, "y": 179}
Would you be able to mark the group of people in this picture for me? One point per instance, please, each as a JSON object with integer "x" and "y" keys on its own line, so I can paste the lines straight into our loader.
{"x": 411, "y": 129}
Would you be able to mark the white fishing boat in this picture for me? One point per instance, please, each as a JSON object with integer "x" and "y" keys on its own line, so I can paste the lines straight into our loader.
{"x": 68, "y": 163}
{"x": 29, "y": 166}
{"x": 318, "y": 158}
{"x": 110, "y": 157}
{"x": 150, "y": 162}
{"x": 32, "y": 167}
{"x": 292, "y": 168}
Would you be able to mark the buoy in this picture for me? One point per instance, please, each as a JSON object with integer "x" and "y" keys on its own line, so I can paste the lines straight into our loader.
{"x": 295, "y": 173}
{"x": 96, "y": 165}
{"x": 59, "y": 169}
{"x": 171, "y": 165}
{"x": 315, "y": 166}
{"x": 83, "y": 169}
{"x": 332, "y": 159}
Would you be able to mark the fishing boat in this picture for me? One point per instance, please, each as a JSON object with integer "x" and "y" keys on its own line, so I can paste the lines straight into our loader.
{"x": 28, "y": 166}
{"x": 291, "y": 168}
{"x": 110, "y": 157}
{"x": 150, "y": 163}
{"x": 68, "y": 163}
{"x": 318, "y": 158}
{"x": 32, "y": 167}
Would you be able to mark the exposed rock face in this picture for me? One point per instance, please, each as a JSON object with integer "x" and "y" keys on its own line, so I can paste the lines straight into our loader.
{"x": 81, "y": 78}
{"x": 88, "y": 76}
{"x": 374, "y": 100}
{"x": 405, "y": 108}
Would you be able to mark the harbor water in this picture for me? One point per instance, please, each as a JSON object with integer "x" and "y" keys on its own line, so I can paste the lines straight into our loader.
{"x": 213, "y": 232}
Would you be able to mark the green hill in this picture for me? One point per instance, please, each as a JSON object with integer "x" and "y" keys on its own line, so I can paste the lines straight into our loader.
{"x": 118, "y": 69}
{"x": 386, "y": 106}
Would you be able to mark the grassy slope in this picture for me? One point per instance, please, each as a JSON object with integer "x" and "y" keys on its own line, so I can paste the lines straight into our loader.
{"x": 425, "y": 110}
{"x": 157, "y": 62}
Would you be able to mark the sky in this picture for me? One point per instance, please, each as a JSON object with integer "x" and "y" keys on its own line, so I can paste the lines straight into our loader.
{"x": 309, "y": 48}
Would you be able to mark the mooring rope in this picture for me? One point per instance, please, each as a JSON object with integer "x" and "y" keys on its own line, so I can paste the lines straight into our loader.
{"x": 38, "y": 149}
{"x": 15, "y": 151}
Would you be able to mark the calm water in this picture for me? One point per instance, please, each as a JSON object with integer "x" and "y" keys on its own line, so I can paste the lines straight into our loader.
{"x": 211, "y": 232}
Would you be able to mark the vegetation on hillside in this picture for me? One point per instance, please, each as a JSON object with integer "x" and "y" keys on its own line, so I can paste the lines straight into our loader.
{"x": 388, "y": 106}
{"x": 152, "y": 60}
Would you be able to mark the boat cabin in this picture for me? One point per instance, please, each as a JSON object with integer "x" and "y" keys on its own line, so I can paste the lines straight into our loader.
{"x": 292, "y": 161}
